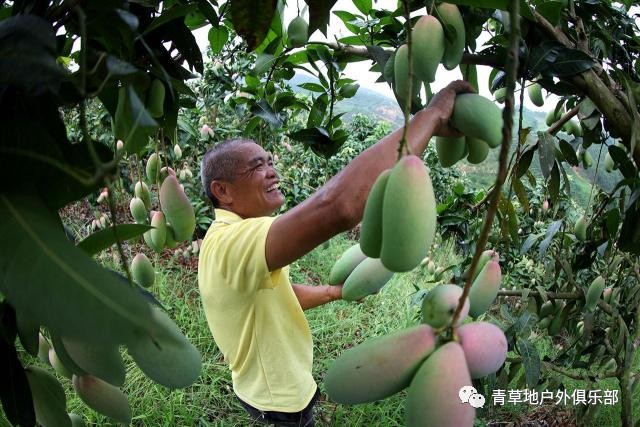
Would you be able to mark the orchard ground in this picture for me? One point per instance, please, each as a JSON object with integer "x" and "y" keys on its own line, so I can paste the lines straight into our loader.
{"x": 335, "y": 327}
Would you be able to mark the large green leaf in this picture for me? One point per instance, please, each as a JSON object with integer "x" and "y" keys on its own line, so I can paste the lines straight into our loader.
{"x": 168, "y": 15}
{"x": 15, "y": 393}
{"x": 28, "y": 55}
{"x": 49, "y": 399}
{"x": 218, "y": 36}
{"x": 530, "y": 361}
{"x": 252, "y": 19}
{"x": 319, "y": 14}
{"x": 103, "y": 239}
{"x": 133, "y": 123}
{"x": 47, "y": 278}
{"x": 546, "y": 152}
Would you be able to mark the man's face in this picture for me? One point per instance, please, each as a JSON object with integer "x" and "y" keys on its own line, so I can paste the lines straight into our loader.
{"x": 254, "y": 190}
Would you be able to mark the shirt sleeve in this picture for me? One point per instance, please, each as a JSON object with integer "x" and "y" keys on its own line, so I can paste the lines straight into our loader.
{"x": 240, "y": 254}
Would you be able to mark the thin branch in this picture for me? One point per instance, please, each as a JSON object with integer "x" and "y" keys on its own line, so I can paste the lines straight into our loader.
{"x": 511, "y": 67}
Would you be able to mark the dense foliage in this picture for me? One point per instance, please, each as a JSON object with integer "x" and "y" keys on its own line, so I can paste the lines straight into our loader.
{"x": 76, "y": 77}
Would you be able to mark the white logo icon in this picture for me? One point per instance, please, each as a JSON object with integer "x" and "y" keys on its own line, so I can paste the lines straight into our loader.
{"x": 468, "y": 394}
{"x": 465, "y": 392}
{"x": 476, "y": 400}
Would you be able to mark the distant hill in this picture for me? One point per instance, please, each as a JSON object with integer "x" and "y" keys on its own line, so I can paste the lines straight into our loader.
{"x": 366, "y": 101}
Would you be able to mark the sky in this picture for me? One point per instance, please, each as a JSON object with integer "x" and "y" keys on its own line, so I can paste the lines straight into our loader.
{"x": 360, "y": 70}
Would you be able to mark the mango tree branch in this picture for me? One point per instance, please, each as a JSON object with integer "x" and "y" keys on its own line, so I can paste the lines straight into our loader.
{"x": 556, "y": 295}
{"x": 511, "y": 67}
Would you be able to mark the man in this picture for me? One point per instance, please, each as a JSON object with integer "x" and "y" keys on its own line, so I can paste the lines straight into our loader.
{"x": 254, "y": 313}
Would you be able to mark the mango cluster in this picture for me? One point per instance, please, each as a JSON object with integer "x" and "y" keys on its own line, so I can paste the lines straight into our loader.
{"x": 480, "y": 120}
{"x": 436, "y": 39}
{"x": 419, "y": 359}
{"x": 399, "y": 221}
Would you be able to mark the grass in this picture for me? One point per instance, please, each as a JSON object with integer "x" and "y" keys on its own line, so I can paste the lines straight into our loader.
{"x": 335, "y": 327}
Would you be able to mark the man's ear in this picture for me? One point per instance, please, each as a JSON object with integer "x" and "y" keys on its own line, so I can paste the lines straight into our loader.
{"x": 220, "y": 190}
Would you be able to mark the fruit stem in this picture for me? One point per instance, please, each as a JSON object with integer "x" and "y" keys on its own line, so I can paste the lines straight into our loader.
{"x": 511, "y": 67}
{"x": 408, "y": 98}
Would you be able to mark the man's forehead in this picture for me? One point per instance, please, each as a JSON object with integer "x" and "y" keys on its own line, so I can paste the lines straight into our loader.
{"x": 252, "y": 153}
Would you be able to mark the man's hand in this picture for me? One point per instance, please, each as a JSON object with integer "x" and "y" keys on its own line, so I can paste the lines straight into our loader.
{"x": 335, "y": 291}
{"x": 441, "y": 105}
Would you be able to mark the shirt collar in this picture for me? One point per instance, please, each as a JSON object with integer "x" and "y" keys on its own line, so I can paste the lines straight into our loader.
{"x": 226, "y": 217}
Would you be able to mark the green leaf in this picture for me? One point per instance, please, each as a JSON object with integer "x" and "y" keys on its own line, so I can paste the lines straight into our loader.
{"x": 529, "y": 242}
{"x": 313, "y": 87}
{"x": 48, "y": 279}
{"x": 521, "y": 193}
{"x": 317, "y": 111}
{"x": 132, "y": 122}
{"x": 218, "y": 36}
{"x": 28, "y": 331}
{"x": 28, "y": 55}
{"x": 49, "y": 399}
{"x": 103, "y": 239}
{"x": 530, "y": 362}
{"x": 546, "y": 153}
{"x": 551, "y": 10}
{"x": 263, "y": 110}
{"x": 15, "y": 393}
{"x": 569, "y": 62}
{"x": 568, "y": 152}
{"x": 629, "y": 240}
{"x": 363, "y": 6}
{"x": 613, "y": 221}
{"x": 252, "y": 19}
{"x": 551, "y": 231}
{"x": 620, "y": 157}
{"x": 168, "y": 15}
{"x": 554, "y": 184}
{"x": 319, "y": 14}
{"x": 525, "y": 162}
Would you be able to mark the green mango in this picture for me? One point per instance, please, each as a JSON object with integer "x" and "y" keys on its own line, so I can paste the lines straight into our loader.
{"x": 141, "y": 191}
{"x": 408, "y": 215}
{"x": 440, "y": 303}
{"x": 535, "y": 94}
{"x": 379, "y": 367}
{"x": 142, "y": 270}
{"x": 346, "y": 264}
{"x": 297, "y": 32}
{"x": 580, "y": 229}
{"x": 103, "y": 397}
{"x": 371, "y": 228}
{"x": 454, "y": 44}
{"x": 593, "y": 293}
{"x": 500, "y": 94}
{"x": 478, "y": 117}
{"x": 478, "y": 150}
{"x": 177, "y": 209}
{"x": 432, "y": 397}
{"x": 366, "y": 279}
{"x": 153, "y": 167}
{"x": 484, "y": 288}
{"x": 428, "y": 41}
{"x": 138, "y": 211}
{"x": 450, "y": 150}
{"x": 168, "y": 358}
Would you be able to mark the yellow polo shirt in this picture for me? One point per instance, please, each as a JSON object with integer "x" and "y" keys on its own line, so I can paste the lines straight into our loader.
{"x": 254, "y": 316}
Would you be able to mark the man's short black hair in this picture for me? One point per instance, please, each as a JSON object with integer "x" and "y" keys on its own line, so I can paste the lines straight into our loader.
{"x": 220, "y": 163}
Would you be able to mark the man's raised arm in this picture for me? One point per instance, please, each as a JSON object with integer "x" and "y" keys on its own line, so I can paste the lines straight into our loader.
{"x": 339, "y": 204}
